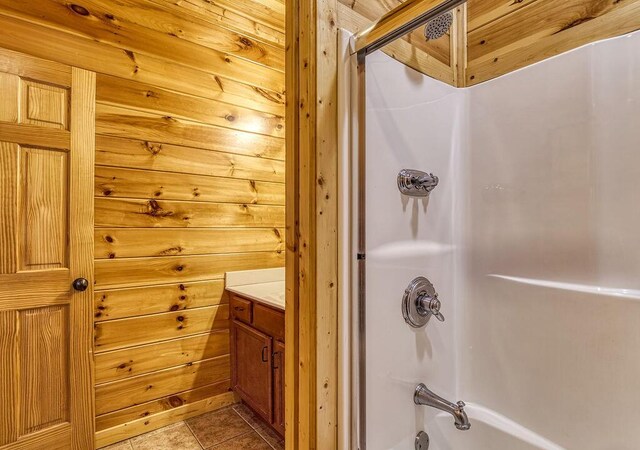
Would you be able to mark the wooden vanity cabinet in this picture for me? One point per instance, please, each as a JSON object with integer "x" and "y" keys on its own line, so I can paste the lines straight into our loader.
{"x": 253, "y": 374}
{"x": 257, "y": 358}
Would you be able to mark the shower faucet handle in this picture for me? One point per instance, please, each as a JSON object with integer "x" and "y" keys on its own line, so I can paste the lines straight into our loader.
{"x": 419, "y": 302}
{"x": 430, "y": 304}
{"x": 416, "y": 183}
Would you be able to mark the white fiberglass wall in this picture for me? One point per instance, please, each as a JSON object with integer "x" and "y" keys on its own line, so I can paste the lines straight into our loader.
{"x": 532, "y": 240}
{"x": 550, "y": 317}
{"x": 412, "y": 122}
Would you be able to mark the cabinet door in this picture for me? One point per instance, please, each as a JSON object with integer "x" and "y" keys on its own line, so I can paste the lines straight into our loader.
{"x": 252, "y": 374}
{"x": 278, "y": 387}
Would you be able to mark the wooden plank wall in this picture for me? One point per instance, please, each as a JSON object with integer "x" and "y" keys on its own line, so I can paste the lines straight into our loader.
{"x": 504, "y": 35}
{"x": 312, "y": 213}
{"x": 189, "y": 184}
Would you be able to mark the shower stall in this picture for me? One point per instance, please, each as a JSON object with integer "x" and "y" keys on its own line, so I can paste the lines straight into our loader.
{"x": 531, "y": 240}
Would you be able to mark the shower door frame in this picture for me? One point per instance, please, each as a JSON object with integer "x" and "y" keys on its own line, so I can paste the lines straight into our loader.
{"x": 396, "y": 23}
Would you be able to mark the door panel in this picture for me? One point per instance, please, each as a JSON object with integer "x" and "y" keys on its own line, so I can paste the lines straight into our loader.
{"x": 44, "y": 105}
{"x": 43, "y": 209}
{"x": 44, "y": 335}
{"x": 47, "y": 135}
{"x": 252, "y": 374}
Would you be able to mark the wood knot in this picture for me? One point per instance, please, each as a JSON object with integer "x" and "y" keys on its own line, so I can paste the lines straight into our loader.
{"x": 175, "y": 401}
{"x": 174, "y": 307}
{"x": 172, "y": 251}
{"x": 245, "y": 42}
{"x": 182, "y": 287}
{"x": 154, "y": 149}
{"x": 109, "y": 239}
{"x": 155, "y": 210}
{"x": 131, "y": 56}
{"x": 218, "y": 82}
{"x": 81, "y": 10}
{"x": 179, "y": 268}
{"x": 180, "y": 318}
{"x": 230, "y": 117}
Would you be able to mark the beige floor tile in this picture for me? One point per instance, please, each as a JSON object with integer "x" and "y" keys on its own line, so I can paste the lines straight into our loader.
{"x": 124, "y": 445}
{"x": 247, "y": 414}
{"x": 250, "y": 440}
{"x": 264, "y": 430}
{"x": 218, "y": 426}
{"x": 173, "y": 437}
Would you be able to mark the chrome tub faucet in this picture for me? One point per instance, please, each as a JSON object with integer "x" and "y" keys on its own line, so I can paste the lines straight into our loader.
{"x": 423, "y": 396}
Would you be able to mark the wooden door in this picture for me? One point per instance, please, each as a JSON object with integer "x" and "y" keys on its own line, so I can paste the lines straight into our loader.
{"x": 278, "y": 387}
{"x": 47, "y": 139}
{"x": 252, "y": 374}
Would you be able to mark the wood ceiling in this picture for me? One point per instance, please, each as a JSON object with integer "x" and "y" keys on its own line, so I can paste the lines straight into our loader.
{"x": 501, "y": 35}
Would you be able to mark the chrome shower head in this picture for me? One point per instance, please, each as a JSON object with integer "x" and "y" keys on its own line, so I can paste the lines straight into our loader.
{"x": 438, "y": 27}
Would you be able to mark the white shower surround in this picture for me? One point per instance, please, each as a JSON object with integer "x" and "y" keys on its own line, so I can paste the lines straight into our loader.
{"x": 531, "y": 240}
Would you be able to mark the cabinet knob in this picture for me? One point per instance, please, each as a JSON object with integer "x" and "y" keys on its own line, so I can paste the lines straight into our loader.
{"x": 80, "y": 284}
{"x": 265, "y": 354}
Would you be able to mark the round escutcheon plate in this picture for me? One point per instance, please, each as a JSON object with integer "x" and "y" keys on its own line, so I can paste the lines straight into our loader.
{"x": 418, "y": 287}
{"x": 422, "y": 441}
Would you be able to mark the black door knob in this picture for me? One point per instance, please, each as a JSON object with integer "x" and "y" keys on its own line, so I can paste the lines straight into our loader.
{"x": 80, "y": 284}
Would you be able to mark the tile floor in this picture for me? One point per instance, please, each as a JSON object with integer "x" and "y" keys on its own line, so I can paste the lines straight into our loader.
{"x": 232, "y": 428}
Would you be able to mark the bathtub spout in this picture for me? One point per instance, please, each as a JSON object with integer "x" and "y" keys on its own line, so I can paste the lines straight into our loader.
{"x": 423, "y": 396}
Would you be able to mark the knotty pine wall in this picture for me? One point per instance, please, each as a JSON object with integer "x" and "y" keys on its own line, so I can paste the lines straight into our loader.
{"x": 189, "y": 184}
{"x": 505, "y": 35}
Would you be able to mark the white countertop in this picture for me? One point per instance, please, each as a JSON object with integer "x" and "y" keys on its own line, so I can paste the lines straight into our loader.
{"x": 271, "y": 294}
{"x": 264, "y": 286}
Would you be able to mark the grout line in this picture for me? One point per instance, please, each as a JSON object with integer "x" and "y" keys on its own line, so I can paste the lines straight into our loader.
{"x": 256, "y": 430}
{"x": 240, "y": 415}
{"x": 226, "y": 440}
{"x": 193, "y": 434}
{"x": 230, "y": 439}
